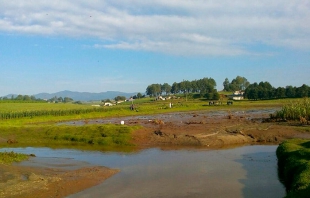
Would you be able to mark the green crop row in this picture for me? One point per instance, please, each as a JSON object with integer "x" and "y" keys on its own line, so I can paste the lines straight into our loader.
{"x": 38, "y": 113}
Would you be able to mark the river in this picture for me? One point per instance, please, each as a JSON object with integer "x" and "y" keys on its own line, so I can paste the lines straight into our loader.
{"x": 247, "y": 171}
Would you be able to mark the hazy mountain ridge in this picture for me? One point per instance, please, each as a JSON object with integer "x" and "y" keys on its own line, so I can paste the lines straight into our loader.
{"x": 82, "y": 96}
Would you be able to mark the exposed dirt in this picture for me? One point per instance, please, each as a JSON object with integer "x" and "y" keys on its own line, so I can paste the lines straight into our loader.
{"x": 214, "y": 130}
{"x": 202, "y": 129}
{"x": 27, "y": 182}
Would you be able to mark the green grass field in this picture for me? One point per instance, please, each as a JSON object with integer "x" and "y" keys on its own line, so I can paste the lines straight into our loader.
{"x": 25, "y": 113}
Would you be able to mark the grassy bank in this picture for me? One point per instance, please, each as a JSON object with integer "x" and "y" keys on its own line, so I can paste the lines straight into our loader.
{"x": 51, "y": 135}
{"x": 294, "y": 167}
{"x": 10, "y": 157}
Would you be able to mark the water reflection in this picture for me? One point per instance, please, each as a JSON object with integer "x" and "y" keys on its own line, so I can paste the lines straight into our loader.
{"x": 249, "y": 171}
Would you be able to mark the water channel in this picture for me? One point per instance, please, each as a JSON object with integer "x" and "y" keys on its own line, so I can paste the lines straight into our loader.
{"x": 247, "y": 171}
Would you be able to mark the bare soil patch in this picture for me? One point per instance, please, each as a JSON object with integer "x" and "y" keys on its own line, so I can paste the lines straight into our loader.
{"x": 28, "y": 182}
{"x": 213, "y": 130}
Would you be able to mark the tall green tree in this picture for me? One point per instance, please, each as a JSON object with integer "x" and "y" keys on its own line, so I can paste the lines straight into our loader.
{"x": 290, "y": 91}
{"x": 139, "y": 95}
{"x": 175, "y": 88}
{"x": 120, "y": 98}
{"x": 239, "y": 83}
{"x": 153, "y": 90}
{"x": 226, "y": 84}
{"x": 166, "y": 88}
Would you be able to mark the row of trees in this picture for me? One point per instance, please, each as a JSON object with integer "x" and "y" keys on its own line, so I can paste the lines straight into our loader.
{"x": 205, "y": 87}
{"x": 60, "y": 99}
{"x": 27, "y": 98}
{"x": 264, "y": 90}
{"x": 20, "y": 98}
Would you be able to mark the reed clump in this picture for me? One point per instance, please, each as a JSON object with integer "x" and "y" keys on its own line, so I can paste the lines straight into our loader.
{"x": 297, "y": 110}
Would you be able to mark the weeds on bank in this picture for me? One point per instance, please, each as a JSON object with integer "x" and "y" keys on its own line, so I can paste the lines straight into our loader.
{"x": 297, "y": 110}
{"x": 10, "y": 157}
{"x": 294, "y": 167}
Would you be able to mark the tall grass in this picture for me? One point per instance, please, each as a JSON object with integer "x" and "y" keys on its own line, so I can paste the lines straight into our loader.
{"x": 295, "y": 110}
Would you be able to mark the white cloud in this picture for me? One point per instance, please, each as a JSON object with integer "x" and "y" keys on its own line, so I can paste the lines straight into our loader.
{"x": 182, "y": 27}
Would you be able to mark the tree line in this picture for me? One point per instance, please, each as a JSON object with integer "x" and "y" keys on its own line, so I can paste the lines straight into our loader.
{"x": 264, "y": 90}
{"x": 27, "y": 98}
{"x": 205, "y": 87}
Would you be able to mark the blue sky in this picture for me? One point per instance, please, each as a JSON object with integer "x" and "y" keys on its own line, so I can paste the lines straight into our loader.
{"x": 113, "y": 45}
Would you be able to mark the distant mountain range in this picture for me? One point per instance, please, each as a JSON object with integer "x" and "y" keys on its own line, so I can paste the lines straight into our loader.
{"x": 81, "y": 96}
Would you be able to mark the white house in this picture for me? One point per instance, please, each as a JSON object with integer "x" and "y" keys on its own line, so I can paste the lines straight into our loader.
{"x": 108, "y": 104}
{"x": 237, "y": 95}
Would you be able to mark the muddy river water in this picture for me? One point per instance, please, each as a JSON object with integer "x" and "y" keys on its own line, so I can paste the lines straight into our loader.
{"x": 247, "y": 171}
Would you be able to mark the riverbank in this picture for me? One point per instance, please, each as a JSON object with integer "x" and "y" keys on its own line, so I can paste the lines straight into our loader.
{"x": 200, "y": 129}
{"x": 294, "y": 167}
{"x": 214, "y": 129}
{"x": 29, "y": 182}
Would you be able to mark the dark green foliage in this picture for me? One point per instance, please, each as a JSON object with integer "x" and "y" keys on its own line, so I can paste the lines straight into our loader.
{"x": 202, "y": 86}
{"x": 239, "y": 83}
{"x": 294, "y": 167}
{"x": 120, "y": 98}
{"x": 264, "y": 90}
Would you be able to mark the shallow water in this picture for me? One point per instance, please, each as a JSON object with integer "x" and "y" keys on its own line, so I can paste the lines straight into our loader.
{"x": 249, "y": 171}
